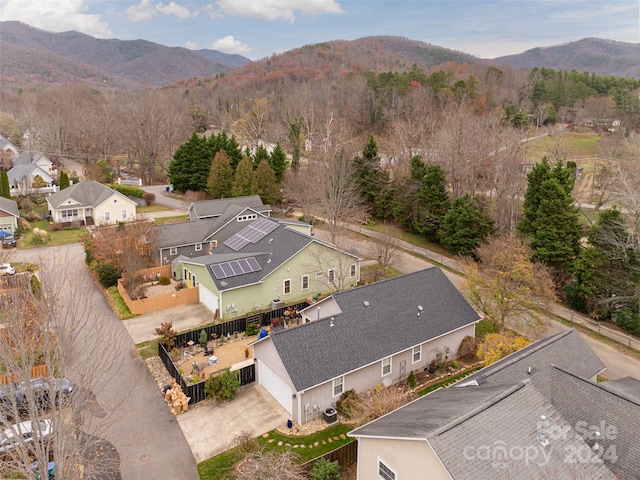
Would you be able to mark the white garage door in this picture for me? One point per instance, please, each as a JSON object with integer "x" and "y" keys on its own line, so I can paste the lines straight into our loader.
{"x": 276, "y": 387}
{"x": 208, "y": 298}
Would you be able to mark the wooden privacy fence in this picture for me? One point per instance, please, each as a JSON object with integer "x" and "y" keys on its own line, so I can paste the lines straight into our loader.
{"x": 345, "y": 455}
{"x": 158, "y": 302}
{"x": 152, "y": 273}
{"x": 37, "y": 371}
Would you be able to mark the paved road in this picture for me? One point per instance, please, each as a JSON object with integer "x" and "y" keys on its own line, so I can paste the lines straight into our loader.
{"x": 164, "y": 199}
{"x": 135, "y": 418}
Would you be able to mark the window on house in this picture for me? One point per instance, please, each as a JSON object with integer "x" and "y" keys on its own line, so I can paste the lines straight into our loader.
{"x": 305, "y": 282}
{"x": 331, "y": 274}
{"x": 385, "y": 471}
{"x": 386, "y": 366}
{"x": 173, "y": 251}
{"x": 286, "y": 287}
{"x": 352, "y": 270}
{"x": 417, "y": 354}
{"x": 195, "y": 282}
{"x": 107, "y": 216}
{"x": 213, "y": 244}
{"x": 319, "y": 274}
{"x": 198, "y": 247}
{"x": 124, "y": 214}
{"x": 338, "y": 386}
{"x": 245, "y": 218}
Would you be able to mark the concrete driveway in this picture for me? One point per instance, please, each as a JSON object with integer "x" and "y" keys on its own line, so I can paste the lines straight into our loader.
{"x": 210, "y": 429}
{"x": 184, "y": 317}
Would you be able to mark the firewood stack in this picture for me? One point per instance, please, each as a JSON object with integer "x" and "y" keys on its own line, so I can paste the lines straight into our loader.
{"x": 176, "y": 397}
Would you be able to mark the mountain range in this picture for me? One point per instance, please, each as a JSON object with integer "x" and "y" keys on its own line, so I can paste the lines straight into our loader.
{"x": 31, "y": 57}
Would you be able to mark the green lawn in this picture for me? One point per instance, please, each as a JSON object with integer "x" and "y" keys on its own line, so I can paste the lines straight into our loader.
{"x": 179, "y": 218}
{"x": 221, "y": 466}
{"x": 148, "y": 349}
{"x": 571, "y": 144}
{"x": 397, "y": 232}
{"x": 153, "y": 208}
{"x": 56, "y": 237}
{"x": 482, "y": 328}
{"x": 119, "y": 307}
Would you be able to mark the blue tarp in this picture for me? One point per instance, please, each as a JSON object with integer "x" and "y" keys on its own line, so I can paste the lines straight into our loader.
{"x": 263, "y": 333}
{"x": 4, "y": 234}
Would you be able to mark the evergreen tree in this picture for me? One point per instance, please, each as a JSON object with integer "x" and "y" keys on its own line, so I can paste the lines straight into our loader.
{"x": 464, "y": 227}
{"x": 405, "y": 194}
{"x": 64, "y": 180}
{"x": 229, "y": 145}
{"x": 220, "y": 177}
{"x": 191, "y": 164}
{"x": 555, "y": 235}
{"x": 433, "y": 202}
{"x": 372, "y": 179}
{"x": 278, "y": 162}
{"x": 295, "y": 140}
{"x": 261, "y": 154}
{"x": 5, "y": 188}
{"x": 243, "y": 179}
{"x": 265, "y": 184}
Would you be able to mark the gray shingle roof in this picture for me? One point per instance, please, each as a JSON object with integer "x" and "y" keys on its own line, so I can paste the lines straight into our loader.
{"x": 87, "y": 194}
{"x": 184, "y": 233}
{"x": 214, "y": 208}
{"x": 316, "y": 352}
{"x": 566, "y": 348}
{"x": 627, "y": 386}
{"x": 17, "y": 173}
{"x": 9, "y": 206}
{"x": 28, "y": 156}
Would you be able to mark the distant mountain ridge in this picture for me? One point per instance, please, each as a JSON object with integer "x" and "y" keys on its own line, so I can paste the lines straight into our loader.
{"x": 594, "y": 55}
{"x": 111, "y": 61}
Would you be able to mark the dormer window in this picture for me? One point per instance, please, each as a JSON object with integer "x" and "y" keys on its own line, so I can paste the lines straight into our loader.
{"x": 246, "y": 218}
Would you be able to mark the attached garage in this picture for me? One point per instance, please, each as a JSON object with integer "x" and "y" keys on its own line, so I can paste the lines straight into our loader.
{"x": 276, "y": 387}
{"x": 208, "y": 298}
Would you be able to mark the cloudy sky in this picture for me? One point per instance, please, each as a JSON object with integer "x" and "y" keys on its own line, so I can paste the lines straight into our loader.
{"x": 259, "y": 28}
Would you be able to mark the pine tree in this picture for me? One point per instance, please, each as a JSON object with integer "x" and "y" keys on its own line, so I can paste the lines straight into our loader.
{"x": 261, "y": 154}
{"x": 264, "y": 183}
{"x": 5, "y": 188}
{"x": 220, "y": 177}
{"x": 191, "y": 164}
{"x": 64, "y": 180}
{"x": 243, "y": 179}
{"x": 433, "y": 202}
{"x": 464, "y": 227}
{"x": 278, "y": 162}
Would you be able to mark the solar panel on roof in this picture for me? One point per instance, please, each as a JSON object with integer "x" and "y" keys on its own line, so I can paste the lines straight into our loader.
{"x": 264, "y": 225}
{"x": 234, "y": 268}
{"x": 236, "y": 242}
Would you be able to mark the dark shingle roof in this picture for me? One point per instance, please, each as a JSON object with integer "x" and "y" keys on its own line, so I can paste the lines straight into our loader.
{"x": 184, "y": 233}
{"x": 566, "y": 348}
{"x": 214, "y": 208}
{"x": 317, "y": 352}
{"x": 627, "y": 386}
{"x": 9, "y": 206}
{"x": 87, "y": 194}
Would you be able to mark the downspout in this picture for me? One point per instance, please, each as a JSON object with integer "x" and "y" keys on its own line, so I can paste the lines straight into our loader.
{"x": 300, "y": 407}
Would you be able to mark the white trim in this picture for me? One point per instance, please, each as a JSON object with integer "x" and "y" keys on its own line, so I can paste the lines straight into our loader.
{"x": 302, "y": 287}
{"x": 284, "y": 286}
{"x": 413, "y": 354}
{"x": 331, "y": 275}
{"x": 333, "y": 386}
{"x": 173, "y": 250}
{"x": 386, "y": 465}
{"x": 353, "y": 268}
{"x": 198, "y": 247}
{"x": 382, "y": 365}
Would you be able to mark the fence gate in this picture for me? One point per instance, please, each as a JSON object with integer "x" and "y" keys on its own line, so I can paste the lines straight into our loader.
{"x": 247, "y": 375}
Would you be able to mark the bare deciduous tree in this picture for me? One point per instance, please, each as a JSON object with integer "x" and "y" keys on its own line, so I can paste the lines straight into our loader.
{"x": 268, "y": 465}
{"x": 333, "y": 268}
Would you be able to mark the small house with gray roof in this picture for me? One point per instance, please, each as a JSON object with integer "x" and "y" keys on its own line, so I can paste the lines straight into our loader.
{"x": 9, "y": 215}
{"x": 90, "y": 203}
{"x": 246, "y": 266}
{"x": 357, "y": 339}
{"x": 210, "y": 222}
{"x": 36, "y": 158}
{"x": 520, "y": 418}
{"x": 29, "y": 178}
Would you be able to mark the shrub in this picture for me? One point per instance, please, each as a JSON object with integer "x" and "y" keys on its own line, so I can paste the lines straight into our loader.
{"x": 349, "y": 404}
{"x": 411, "y": 379}
{"x": 108, "y": 275}
{"x": 180, "y": 285}
{"x": 149, "y": 198}
{"x": 454, "y": 364}
{"x": 202, "y": 338}
{"x": 245, "y": 443}
{"x": 323, "y": 469}
{"x": 36, "y": 288}
{"x": 498, "y": 345}
{"x": 32, "y": 216}
{"x": 252, "y": 330}
{"x": 168, "y": 334}
{"x": 164, "y": 281}
{"x": 23, "y": 225}
{"x": 222, "y": 387}
{"x": 128, "y": 190}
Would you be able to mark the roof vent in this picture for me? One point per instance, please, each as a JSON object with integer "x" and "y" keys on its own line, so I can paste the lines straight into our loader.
{"x": 270, "y": 240}
{"x": 269, "y": 260}
{"x": 331, "y": 322}
{"x": 542, "y": 430}
{"x": 529, "y": 371}
{"x": 420, "y": 309}
{"x": 365, "y": 303}
{"x": 596, "y": 446}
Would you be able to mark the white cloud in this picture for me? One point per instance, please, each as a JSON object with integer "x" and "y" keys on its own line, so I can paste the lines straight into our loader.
{"x": 274, "y": 9}
{"x": 229, "y": 44}
{"x": 173, "y": 8}
{"x": 145, "y": 10}
{"x": 55, "y": 16}
{"x": 190, "y": 45}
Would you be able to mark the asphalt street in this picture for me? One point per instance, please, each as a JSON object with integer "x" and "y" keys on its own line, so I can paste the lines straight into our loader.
{"x": 133, "y": 415}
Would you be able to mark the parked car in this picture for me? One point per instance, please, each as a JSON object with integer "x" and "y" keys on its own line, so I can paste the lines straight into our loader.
{"x": 8, "y": 241}
{"x": 28, "y": 431}
{"x": 51, "y": 470}
{"x": 15, "y": 397}
{"x": 7, "y": 269}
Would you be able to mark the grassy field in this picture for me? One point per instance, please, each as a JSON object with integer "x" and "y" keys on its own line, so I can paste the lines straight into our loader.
{"x": 570, "y": 146}
{"x": 57, "y": 237}
{"x": 221, "y": 466}
{"x": 397, "y": 232}
{"x": 153, "y": 208}
{"x": 177, "y": 219}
